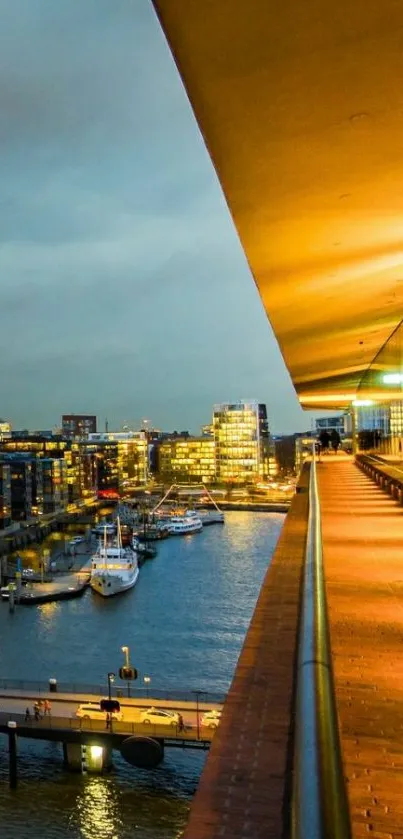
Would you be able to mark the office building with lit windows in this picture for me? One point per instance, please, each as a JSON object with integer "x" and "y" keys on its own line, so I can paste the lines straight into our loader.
{"x": 241, "y": 436}
{"x": 22, "y": 477}
{"x": 51, "y": 485}
{"x": 78, "y": 425}
{"x": 122, "y": 459}
{"x": 187, "y": 460}
{"x": 5, "y": 495}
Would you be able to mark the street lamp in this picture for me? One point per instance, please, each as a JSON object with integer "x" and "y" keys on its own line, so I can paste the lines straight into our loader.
{"x": 198, "y": 693}
{"x": 126, "y": 652}
{"x": 147, "y": 680}
{"x": 111, "y": 679}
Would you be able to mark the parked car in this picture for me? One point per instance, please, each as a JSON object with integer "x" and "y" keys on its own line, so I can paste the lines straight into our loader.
{"x": 159, "y": 716}
{"x": 92, "y": 711}
{"x": 211, "y": 719}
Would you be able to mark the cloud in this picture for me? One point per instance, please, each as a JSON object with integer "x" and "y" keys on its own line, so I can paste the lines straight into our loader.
{"x": 123, "y": 286}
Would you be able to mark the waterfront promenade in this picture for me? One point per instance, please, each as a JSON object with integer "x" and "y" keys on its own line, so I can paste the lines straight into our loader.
{"x": 362, "y": 539}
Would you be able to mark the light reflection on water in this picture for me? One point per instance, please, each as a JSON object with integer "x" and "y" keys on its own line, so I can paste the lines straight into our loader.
{"x": 97, "y": 810}
{"x": 184, "y": 623}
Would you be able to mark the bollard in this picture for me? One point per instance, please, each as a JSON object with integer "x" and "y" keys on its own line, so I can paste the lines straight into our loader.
{"x": 18, "y": 579}
{"x": 12, "y": 752}
{"x": 52, "y": 685}
{"x": 11, "y": 600}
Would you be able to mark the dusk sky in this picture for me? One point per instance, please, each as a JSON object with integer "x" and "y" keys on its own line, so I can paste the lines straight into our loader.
{"x": 124, "y": 289}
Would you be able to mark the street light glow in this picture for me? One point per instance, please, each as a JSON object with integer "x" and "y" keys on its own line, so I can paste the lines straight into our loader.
{"x": 362, "y": 403}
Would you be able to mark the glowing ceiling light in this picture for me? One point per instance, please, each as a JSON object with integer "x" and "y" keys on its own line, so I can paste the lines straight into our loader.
{"x": 362, "y": 403}
{"x": 393, "y": 378}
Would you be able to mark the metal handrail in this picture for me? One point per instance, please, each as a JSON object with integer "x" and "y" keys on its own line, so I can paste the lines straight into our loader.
{"x": 319, "y": 799}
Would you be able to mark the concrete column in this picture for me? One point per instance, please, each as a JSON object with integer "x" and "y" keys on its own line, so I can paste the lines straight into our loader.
{"x": 93, "y": 757}
{"x": 72, "y": 756}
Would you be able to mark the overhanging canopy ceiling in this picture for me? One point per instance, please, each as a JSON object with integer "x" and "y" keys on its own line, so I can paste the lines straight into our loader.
{"x": 301, "y": 108}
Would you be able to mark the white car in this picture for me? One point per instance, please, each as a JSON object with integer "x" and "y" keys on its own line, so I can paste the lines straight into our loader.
{"x": 159, "y": 716}
{"x": 211, "y": 719}
{"x": 92, "y": 711}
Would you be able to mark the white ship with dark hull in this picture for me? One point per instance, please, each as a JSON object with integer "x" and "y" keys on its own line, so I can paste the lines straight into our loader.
{"x": 114, "y": 568}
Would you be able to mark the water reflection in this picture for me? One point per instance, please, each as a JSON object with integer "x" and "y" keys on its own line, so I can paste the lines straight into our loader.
{"x": 47, "y": 613}
{"x": 97, "y": 810}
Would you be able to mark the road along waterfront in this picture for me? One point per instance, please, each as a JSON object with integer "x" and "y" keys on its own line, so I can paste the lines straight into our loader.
{"x": 184, "y": 624}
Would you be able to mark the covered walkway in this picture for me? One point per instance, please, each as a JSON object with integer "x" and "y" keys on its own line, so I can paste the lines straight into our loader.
{"x": 363, "y": 556}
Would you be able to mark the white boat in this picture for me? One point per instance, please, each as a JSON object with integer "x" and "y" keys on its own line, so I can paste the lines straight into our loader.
{"x": 211, "y": 517}
{"x": 109, "y": 527}
{"x": 189, "y": 523}
{"x": 114, "y": 569}
{"x": 76, "y": 541}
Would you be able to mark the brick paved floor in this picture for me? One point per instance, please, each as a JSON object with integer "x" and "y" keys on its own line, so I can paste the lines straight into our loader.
{"x": 363, "y": 551}
{"x": 246, "y": 779}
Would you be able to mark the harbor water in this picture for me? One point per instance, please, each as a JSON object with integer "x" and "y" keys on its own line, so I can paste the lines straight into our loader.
{"x": 184, "y": 623}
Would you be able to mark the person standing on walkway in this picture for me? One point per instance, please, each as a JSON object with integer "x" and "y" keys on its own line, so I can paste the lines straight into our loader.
{"x": 37, "y": 711}
{"x": 27, "y": 715}
{"x": 46, "y": 708}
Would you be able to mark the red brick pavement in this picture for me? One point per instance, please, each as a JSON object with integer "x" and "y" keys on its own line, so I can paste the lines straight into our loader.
{"x": 246, "y": 778}
{"x": 363, "y": 553}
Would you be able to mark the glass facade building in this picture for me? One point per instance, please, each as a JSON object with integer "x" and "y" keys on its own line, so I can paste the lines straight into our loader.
{"x": 22, "y": 476}
{"x": 241, "y": 436}
{"x": 187, "y": 460}
{"x": 122, "y": 461}
{"x": 5, "y": 495}
{"x": 51, "y": 485}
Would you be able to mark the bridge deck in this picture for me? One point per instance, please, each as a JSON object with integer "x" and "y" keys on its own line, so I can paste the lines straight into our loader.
{"x": 363, "y": 552}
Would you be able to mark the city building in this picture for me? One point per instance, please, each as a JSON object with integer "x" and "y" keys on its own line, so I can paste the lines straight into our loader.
{"x": 5, "y": 429}
{"x": 284, "y": 445}
{"x": 187, "y": 460}
{"x": 51, "y": 483}
{"x": 5, "y": 495}
{"x": 340, "y": 423}
{"x": 39, "y": 444}
{"x": 130, "y": 450}
{"x": 78, "y": 425}
{"x": 22, "y": 478}
{"x": 106, "y": 467}
{"x": 303, "y": 449}
{"x": 241, "y": 436}
{"x": 81, "y": 473}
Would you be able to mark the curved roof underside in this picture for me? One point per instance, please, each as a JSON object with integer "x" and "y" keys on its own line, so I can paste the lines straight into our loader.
{"x": 301, "y": 108}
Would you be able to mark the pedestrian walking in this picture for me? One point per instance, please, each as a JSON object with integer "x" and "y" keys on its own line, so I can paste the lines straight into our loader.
{"x": 37, "y": 711}
{"x": 46, "y": 708}
{"x": 27, "y": 715}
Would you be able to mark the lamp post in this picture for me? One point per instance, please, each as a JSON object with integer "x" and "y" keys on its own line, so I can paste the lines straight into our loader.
{"x": 126, "y": 652}
{"x": 147, "y": 680}
{"x": 198, "y": 693}
{"x": 111, "y": 679}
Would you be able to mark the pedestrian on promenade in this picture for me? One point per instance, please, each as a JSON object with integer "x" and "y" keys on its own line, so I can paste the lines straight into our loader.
{"x": 27, "y": 715}
{"x": 46, "y": 708}
{"x": 37, "y": 711}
